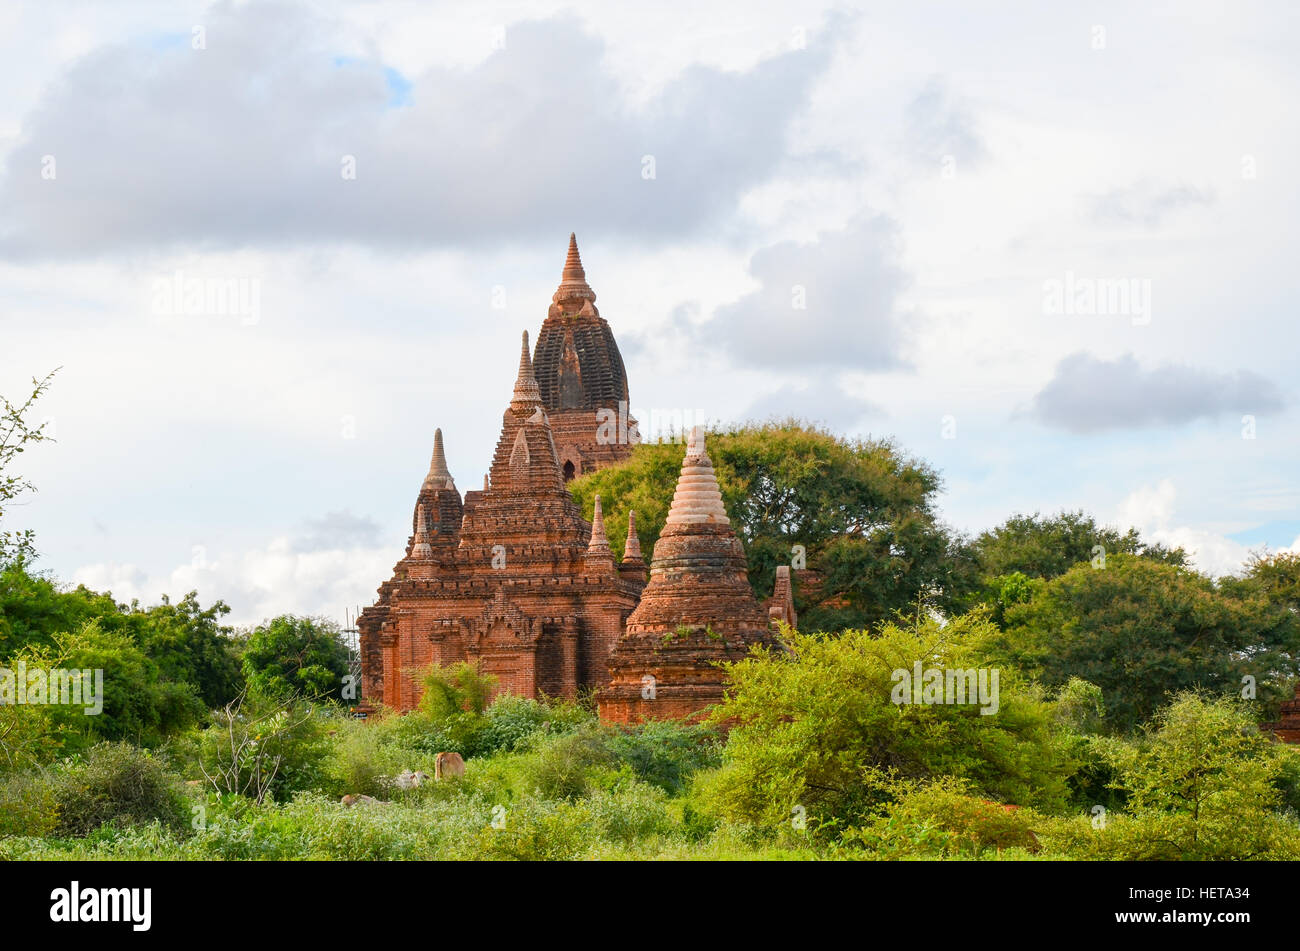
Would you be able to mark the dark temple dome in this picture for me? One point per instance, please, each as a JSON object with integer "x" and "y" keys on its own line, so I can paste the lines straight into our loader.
{"x": 576, "y": 360}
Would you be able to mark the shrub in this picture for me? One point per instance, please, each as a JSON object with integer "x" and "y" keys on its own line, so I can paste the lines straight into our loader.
{"x": 944, "y": 817}
{"x": 262, "y": 749}
{"x": 27, "y": 804}
{"x": 565, "y": 767}
{"x": 454, "y": 689}
{"x": 510, "y": 724}
{"x": 115, "y": 782}
{"x": 666, "y": 754}
{"x": 807, "y": 723}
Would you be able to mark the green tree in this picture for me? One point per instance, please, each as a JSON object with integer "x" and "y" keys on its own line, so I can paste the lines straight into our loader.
{"x": 1142, "y": 630}
{"x": 137, "y": 704}
{"x": 811, "y": 728}
{"x": 862, "y": 512}
{"x": 296, "y": 656}
{"x": 185, "y": 641}
{"x": 1041, "y": 546}
{"x": 190, "y": 645}
{"x": 34, "y": 610}
{"x": 1276, "y": 576}
{"x": 1204, "y": 785}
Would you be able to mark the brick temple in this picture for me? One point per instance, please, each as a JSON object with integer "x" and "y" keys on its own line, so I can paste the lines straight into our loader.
{"x": 513, "y": 578}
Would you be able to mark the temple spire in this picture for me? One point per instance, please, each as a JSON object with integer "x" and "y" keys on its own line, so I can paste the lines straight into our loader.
{"x": 573, "y": 262}
{"x": 439, "y": 477}
{"x": 421, "y": 548}
{"x": 599, "y": 541}
{"x": 698, "y": 500}
{"x": 632, "y": 547}
{"x": 574, "y": 295}
{"x": 527, "y": 395}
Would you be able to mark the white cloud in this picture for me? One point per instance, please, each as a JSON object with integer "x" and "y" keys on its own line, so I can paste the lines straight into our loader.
{"x": 257, "y": 584}
{"x": 1151, "y": 510}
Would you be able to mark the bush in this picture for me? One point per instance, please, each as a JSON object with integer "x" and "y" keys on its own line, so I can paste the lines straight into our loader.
{"x": 666, "y": 754}
{"x": 566, "y": 767}
{"x": 806, "y": 724}
{"x": 262, "y": 749}
{"x": 943, "y": 817}
{"x": 454, "y": 689}
{"x": 118, "y": 783}
{"x": 27, "y": 804}
{"x": 511, "y": 723}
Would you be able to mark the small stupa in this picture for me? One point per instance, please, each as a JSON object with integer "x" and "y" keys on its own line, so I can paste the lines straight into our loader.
{"x": 697, "y": 610}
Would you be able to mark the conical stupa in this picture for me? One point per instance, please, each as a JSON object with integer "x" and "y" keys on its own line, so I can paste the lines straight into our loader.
{"x": 697, "y": 610}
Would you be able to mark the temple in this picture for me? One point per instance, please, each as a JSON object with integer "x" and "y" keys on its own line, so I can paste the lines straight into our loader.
{"x": 514, "y": 579}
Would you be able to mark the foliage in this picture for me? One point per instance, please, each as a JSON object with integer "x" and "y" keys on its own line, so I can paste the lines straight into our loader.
{"x": 456, "y": 688}
{"x": 1202, "y": 784}
{"x": 138, "y": 704}
{"x": 806, "y": 727}
{"x": 28, "y": 806}
{"x": 262, "y": 747}
{"x": 185, "y": 642}
{"x": 115, "y": 782}
{"x": 16, "y": 435}
{"x": 191, "y": 646}
{"x": 665, "y": 753}
{"x": 941, "y": 817}
{"x": 562, "y": 767}
{"x": 1276, "y": 576}
{"x": 1045, "y": 547}
{"x": 296, "y": 656}
{"x": 863, "y": 512}
{"x": 1210, "y": 775}
{"x": 1142, "y": 630}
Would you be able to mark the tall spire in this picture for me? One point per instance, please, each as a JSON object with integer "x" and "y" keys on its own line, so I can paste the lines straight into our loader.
{"x": 599, "y": 544}
{"x": 698, "y": 500}
{"x": 439, "y": 477}
{"x": 527, "y": 395}
{"x": 574, "y": 295}
{"x": 421, "y": 548}
{"x": 632, "y": 547}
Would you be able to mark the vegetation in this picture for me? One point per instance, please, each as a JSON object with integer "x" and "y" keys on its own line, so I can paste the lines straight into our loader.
{"x": 1123, "y": 722}
{"x": 861, "y": 515}
{"x": 1142, "y": 630}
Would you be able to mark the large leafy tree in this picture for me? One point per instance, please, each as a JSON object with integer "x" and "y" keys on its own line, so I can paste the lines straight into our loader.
{"x": 186, "y": 641}
{"x": 1143, "y": 630}
{"x": 808, "y": 728}
{"x": 296, "y": 656}
{"x": 1276, "y": 576}
{"x": 859, "y": 513}
{"x": 190, "y": 645}
{"x": 1047, "y": 546}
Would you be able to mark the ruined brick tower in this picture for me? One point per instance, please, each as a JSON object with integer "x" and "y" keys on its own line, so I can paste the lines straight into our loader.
{"x": 581, "y": 377}
{"x": 513, "y": 579}
{"x": 697, "y": 610}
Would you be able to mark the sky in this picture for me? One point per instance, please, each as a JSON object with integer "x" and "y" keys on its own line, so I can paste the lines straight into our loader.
{"x": 1049, "y": 249}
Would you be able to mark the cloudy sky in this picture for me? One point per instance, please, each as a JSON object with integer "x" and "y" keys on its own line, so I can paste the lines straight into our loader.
{"x": 1048, "y": 248}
